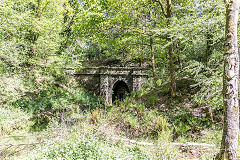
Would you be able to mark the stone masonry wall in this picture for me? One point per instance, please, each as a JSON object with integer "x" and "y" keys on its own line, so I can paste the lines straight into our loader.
{"x": 102, "y": 79}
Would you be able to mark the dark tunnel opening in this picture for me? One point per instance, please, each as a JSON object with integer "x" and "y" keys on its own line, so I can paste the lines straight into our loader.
{"x": 120, "y": 91}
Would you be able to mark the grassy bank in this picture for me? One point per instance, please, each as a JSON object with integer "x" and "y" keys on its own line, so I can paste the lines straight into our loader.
{"x": 67, "y": 122}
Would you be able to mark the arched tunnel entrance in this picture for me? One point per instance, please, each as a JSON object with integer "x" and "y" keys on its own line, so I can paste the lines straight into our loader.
{"x": 120, "y": 91}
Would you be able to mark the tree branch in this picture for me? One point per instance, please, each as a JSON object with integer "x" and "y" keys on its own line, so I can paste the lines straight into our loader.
{"x": 130, "y": 30}
{"x": 162, "y": 7}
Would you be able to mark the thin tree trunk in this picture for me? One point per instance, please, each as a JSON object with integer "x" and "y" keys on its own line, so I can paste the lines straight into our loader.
{"x": 168, "y": 14}
{"x": 209, "y": 46}
{"x": 37, "y": 9}
{"x": 171, "y": 68}
{"x": 230, "y": 85}
{"x": 153, "y": 59}
{"x": 170, "y": 51}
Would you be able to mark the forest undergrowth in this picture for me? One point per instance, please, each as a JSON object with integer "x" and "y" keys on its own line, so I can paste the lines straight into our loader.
{"x": 69, "y": 122}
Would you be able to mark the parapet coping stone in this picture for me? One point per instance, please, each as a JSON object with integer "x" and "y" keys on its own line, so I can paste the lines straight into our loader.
{"x": 106, "y": 70}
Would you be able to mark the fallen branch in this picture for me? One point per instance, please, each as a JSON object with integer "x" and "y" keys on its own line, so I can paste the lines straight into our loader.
{"x": 131, "y": 141}
{"x": 153, "y": 144}
{"x": 21, "y": 144}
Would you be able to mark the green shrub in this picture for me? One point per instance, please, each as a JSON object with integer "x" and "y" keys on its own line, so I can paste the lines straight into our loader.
{"x": 132, "y": 121}
{"x": 208, "y": 83}
{"x": 153, "y": 99}
{"x": 153, "y": 123}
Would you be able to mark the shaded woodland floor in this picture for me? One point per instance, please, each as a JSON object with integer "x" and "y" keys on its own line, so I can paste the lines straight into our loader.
{"x": 146, "y": 125}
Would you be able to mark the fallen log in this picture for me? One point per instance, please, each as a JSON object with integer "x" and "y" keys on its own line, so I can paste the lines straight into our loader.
{"x": 154, "y": 144}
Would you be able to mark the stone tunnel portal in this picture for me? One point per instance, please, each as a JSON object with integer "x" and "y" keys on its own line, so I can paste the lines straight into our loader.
{"x": 120, "y": 91}
{"x": 111, "y": 83}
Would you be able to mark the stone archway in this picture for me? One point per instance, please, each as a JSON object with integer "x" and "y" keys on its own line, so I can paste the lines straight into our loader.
{"x": 119, "y": 91}
{"x": 105, "y": 80}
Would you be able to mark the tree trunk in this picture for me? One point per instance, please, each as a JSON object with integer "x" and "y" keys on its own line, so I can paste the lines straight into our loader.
{"x": 171, "y": 68}
{"x": 170, "y": 51}
{"x": 153, "y": 59}
{"x": 209, "y": 46}
{"x": 230, "y": 85}
{"x": 168, "y": 14}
